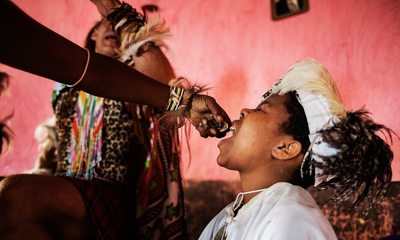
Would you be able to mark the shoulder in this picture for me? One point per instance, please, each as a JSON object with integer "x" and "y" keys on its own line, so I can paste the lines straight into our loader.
{"x": 295, "y": 215}
{"x": 298, "y": 221}
{"x": 296, "y": 212}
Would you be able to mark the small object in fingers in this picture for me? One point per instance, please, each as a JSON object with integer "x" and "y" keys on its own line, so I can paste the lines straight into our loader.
{"x": 221, "y": 126}
{"x": 213, "y": 131}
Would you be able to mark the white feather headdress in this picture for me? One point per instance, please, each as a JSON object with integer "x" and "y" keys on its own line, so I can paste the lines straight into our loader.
{"x": 154, "y": 30}
{"x": 321, "y": 101}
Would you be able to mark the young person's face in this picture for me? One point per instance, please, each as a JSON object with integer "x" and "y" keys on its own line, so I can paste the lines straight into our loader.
{"x": 257, "y": 132}
{"x": 107, "y": 41}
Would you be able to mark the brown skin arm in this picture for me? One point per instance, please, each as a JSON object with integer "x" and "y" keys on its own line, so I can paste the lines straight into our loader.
{"x": 105, "y": 6}
{"x": 154, "y": 64}
{"x": 29, "y": 46}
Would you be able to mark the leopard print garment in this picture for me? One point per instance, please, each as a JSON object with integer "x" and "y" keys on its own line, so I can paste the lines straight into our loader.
{"x": 111, "y": 147}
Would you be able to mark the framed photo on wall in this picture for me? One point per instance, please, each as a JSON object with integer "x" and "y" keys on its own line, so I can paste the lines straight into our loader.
{"x": 286, "y": 8}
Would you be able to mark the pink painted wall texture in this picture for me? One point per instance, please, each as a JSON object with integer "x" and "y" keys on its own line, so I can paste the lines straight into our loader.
{"x": 235, "y": 47}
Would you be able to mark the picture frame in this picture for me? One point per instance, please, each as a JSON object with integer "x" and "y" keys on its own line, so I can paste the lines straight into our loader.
{"x": 286, "y": 8}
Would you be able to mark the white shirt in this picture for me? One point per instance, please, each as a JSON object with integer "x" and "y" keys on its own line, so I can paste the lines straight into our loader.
{"x": 282, "y": 211}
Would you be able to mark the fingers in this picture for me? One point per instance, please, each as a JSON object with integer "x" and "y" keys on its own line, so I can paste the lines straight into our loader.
{"x": 203, "y": 128}
{"x": 106, "y": 6}
{"x": 211, "y": 128}
{"x": 208, "y": 117}
{"x": 219, "y": 114}
{"x": 221, "y": 122}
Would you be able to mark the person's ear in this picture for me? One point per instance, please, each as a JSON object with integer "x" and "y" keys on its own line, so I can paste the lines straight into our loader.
{"x": 286, "y": 150}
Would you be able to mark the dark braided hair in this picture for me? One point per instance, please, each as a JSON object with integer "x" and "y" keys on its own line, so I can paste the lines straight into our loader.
{"x": 362, "y": 167}
{"x": 297, "y": 126}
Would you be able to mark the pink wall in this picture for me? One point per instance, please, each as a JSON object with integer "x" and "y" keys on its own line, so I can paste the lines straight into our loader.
{"x": 236, "y": 48}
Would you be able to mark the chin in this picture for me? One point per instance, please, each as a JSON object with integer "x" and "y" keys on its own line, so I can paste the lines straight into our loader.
{"x": 224, "y": 163}
{"x": 111, "y": 52}
{"x": 220, "y": 161}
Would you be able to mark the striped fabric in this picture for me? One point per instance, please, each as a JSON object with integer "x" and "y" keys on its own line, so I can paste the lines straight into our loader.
{"x": 120, "y": 157}
{"x": 86, "y": 139}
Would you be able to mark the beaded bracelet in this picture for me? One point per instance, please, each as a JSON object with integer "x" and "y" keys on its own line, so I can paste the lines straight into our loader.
{"x": 179, "y": 102}
{"x": 175, "y": 97}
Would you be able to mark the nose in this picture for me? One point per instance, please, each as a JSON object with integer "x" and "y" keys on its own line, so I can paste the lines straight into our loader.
{"x": 244, "y": 112}
{"x": 107, "y": 24}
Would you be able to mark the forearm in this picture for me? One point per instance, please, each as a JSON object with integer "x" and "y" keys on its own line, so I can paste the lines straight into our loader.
{"x": 27, "y": 45}
{"x": 112, "y": 79}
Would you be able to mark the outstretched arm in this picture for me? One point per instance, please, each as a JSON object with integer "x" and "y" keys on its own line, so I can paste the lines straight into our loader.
{"x": 29, "y": 46}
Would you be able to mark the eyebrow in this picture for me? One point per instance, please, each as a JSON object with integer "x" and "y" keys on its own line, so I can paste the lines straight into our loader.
{"x": 265, "y": 101}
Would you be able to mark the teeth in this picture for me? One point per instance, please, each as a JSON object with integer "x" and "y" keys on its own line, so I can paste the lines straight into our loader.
{"x": 111, "y": 37}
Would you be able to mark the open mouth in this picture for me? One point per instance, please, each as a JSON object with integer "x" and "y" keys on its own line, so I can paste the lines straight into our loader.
{"x": 232, "y": 130}
{"x": 113, "y": 37}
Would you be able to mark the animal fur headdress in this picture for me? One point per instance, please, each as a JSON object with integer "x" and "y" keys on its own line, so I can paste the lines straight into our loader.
{"x": 137, "y": 31}
{"x": 345, "y": 153}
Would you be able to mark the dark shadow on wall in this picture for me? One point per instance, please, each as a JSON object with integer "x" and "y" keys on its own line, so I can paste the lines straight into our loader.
{"x": 205, "y": 199}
